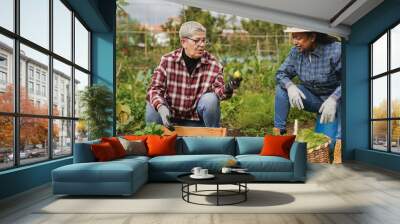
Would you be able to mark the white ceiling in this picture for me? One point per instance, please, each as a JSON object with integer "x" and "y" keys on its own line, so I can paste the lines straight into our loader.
{"x": 318, "y": 15}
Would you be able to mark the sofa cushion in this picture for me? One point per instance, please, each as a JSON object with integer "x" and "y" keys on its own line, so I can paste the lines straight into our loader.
{"x": 161, "y": 145}
{"x": 136, "y": 147}
{"x": 116, "y": 145}
{"x": 103, "y": 152}
{"x": 277, "y": 145}
{"x": 249, "y": 145}
{"x": 185, "y": 163}
{"x": 135, "y": 137}
{"x": 132, "y": 157}
{"x": 112, "y": 171}
{"x": 257, "y": 163}
{"x": 208, "y": 145}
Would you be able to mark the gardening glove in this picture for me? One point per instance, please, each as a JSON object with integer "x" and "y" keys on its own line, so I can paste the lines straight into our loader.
{"x": 328, "y": 110}
{"x": 165, "y": 116}
{"x": 232, "y": 84}
{"x": 295, "y": 95}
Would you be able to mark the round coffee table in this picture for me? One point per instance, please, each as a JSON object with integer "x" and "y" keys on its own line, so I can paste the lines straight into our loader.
{"x": 238, "y": 179}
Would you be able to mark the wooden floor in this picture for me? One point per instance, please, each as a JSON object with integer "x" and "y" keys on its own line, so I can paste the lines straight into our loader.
{"x": 354, "y": 182}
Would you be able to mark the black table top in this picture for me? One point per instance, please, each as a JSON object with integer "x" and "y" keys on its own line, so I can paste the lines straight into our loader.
{"x": 220, "y": 178}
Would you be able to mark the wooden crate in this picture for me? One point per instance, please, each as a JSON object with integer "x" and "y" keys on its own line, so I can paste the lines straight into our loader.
{"x": 196, "y": 131}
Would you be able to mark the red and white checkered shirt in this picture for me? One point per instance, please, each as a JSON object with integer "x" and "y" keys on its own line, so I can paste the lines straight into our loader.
{"x": 171, "y": 84}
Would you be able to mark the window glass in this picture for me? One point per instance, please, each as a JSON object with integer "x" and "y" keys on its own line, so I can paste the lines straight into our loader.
{"x": 33, "y": 139}
{"x": 39, "y": 62}
{"x": 395, "y": 94}
{"x": 379, "y": 135}
{"x": 62, "y": 29}
{"x": 6, "y": 74}
{"x": 35, "y": 21}
{"x": 379, "y": 98}
{"x": 6, "y": 142}
{"x": 81, "y": 45}
{"x": 7, "y": 14}
{"x": 81, "y": 131}
{"x": 395, "y": 136}
{"x": 81, "y": 82}
{"x": 379, "y": 56}
{"x": 395, "y": 47}
{"x": 62, "y": 91}
{"x": 62, "y": 141}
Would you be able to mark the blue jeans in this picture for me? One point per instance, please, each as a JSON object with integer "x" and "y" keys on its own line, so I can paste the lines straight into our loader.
{"x": 312, "y": 103}
{"x": 208, "y": 109}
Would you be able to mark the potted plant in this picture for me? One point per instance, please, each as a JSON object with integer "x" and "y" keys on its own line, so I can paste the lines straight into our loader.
{"x": 96, "y": 102}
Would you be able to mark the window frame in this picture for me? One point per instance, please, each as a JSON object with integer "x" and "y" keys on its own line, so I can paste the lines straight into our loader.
{"x": 388, "y": 74}
{"x": 16, "y": 114}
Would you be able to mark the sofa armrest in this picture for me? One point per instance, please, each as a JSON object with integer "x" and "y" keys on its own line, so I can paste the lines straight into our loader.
{"x": 83, "y": 152}
{"x": 298, "y": 155}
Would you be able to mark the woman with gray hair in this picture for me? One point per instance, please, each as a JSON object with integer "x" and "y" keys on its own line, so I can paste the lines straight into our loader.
{"x": 188, "y": 84}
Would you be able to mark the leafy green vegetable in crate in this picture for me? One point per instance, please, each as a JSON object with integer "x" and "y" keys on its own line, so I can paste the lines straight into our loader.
{"x": 151, "y": 129}
{"x": 312, "y": 138}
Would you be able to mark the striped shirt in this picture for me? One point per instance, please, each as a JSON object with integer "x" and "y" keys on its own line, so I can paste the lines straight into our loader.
{"x": 174, "y": 87}
{"x": 319, "y": 71}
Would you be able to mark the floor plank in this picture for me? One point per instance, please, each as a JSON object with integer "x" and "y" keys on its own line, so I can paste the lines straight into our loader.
{"x": 377, "y": 190}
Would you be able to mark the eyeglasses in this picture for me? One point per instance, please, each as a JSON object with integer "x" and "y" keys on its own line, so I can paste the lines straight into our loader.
{"x": 198, "y": 41}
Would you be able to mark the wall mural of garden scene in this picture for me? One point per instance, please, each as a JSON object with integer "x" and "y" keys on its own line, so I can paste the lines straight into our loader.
{"x": 254, "y": 49}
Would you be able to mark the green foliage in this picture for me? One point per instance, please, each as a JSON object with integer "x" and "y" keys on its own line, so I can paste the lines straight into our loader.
{"x": 151, "y": 129}
{"x": 313, "y": 139}
{"x": 97, "y": 103}
{"x": 250, "y": 110}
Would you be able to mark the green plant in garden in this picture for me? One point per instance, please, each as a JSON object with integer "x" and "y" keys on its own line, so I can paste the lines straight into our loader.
{"x": 97, "y": 103}
{"x": 250, "y": 110}
{"x": 312, "y": 138}
{"x": 151, "y": 129}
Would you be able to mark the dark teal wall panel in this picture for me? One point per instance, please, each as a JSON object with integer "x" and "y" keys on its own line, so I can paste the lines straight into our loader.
{"x": 24, "y": 178}
{"x": 381, "y": 159}
{"x": 356, "y": 84}
{"x": 103, "y": 58}
{"x": 356, "y": 99}
{"x": 90, "y": 12}
{"x": 103, "y": 53}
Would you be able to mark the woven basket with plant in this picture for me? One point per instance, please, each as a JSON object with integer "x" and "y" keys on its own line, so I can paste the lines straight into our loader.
{"x": 317, "y": 145}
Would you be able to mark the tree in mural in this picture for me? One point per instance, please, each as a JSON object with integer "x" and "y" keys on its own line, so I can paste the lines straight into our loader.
{"x": 33, "y": 130}
{"x": 380, "y": 127}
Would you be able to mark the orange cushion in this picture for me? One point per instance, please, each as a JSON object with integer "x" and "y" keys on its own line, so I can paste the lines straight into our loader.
{"x": 116, "y": 145}
{"x": 103, "y": 151}
{"x": 161, "y": 145}
{"x": 277, "y": 145}
{"x": 135, "y": 137}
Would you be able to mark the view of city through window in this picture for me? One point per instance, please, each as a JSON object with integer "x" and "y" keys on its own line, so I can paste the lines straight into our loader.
{"x": 38, "y": 87}
{"x": 385, "y": 80}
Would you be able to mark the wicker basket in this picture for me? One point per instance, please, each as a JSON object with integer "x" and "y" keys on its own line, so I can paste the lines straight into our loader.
{"x": 319, "y": 154}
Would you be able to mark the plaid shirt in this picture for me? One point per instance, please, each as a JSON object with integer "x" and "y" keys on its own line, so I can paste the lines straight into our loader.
{"x": 319, "y": 71}
{"x": 171, "y": 84}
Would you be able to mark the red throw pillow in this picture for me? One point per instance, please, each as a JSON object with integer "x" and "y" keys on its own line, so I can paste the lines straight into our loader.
{"x": 277, "y": 145}
{"x": 161, "y": 145}
{"x": 135, "y": 137}
{"x": 116, "y": 145}
{"x": 103, "y": 151}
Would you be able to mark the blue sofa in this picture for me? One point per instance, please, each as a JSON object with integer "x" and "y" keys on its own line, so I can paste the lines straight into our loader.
{"x": 125, "y": 176}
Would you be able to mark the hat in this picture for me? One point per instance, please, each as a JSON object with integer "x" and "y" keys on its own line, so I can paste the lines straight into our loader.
{"x": 295, "y": 30}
